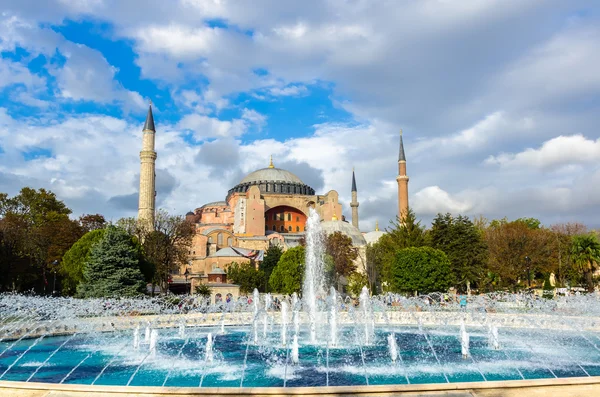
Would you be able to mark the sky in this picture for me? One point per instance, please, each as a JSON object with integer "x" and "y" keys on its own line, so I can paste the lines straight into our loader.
{"x": 499, "y": 101}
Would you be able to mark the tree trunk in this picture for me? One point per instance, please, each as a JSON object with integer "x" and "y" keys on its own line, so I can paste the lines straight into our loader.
{"x": 589, "y": 280}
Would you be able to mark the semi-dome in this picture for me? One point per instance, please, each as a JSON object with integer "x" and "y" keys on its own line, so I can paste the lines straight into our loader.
{"x": 271, "y": 174}
{"x": 346, "y": 228}
{"x": 374, "y": 236}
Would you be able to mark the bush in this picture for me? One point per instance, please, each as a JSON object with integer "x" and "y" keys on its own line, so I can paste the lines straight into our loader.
{"x": 422, "y": 269}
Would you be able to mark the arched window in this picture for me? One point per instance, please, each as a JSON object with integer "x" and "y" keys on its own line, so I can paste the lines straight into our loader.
{"x": 220, "y": 239}
{"x": 289, "y": 228}
{"x": 274, "y": 228}
{"x": 229, "y": 241}
{"x": 289, "y": 216}
{"x": 282, "y": 228}
{"x": 297, "y": 228}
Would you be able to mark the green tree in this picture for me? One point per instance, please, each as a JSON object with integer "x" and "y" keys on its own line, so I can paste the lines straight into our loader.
{"x": 356, "y": 282}
{"x": 585, "y": 250}
{"x": 339, "y": 247}
{"x": 422, "y": 270}
{"x": 287, "y": 276}
{"x": 113, "y": 267}
{"x": 270, "y": 260}
{"x": 44, "y": 234}
{"x": 531, "y": 223}
{"x": 402, "y": 233}
{"x": 246, "y": 276}
{"x": 72, "y": 264}
{"x": 464, "y": 245}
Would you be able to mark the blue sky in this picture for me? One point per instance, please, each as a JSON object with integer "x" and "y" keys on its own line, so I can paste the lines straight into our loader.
{"x": 499, "y": 101}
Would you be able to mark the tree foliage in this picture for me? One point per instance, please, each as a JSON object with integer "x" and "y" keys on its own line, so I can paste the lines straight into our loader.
{"x": 270, "y": 260}
{"x": 585, "y": 251}
{"x": 72, "y": 264}
{"x": 339, "y": 247}
{"x": 167, "y": 247}
{"x": 113, "y": 267}
{"x": 203, "y": 290}
{"x": 403, "y": 233}
{"x": 287, "y": 276}
{"x": 421, "y": 269}
{"x": 246, "y": 276}
{"x": 464, "y": 245}
{"x": 518, "y": 253}
{"x": 35, "y": 232}
{"x": 356, "y": 282}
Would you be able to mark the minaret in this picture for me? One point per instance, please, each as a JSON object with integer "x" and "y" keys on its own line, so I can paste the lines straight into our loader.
{"x": 354, "y": 202}
{"x": 402, "y": 179}
{"x": 147, "y": 174}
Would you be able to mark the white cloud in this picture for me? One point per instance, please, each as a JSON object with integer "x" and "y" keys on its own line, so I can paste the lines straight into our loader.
{"x": 179, "y": 41}
{"x": 291, "y": 90}
{"x": 15, "y": 73}
{"x": 558, "y": 152}
{"x": 432, "y": 200}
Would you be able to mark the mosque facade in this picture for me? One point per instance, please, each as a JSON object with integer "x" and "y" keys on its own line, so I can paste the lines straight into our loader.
{"x": 269, "y": 206}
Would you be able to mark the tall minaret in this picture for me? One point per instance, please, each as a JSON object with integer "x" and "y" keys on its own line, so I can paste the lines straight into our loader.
{"x": 402, "y": 179}
{"x": 354, "y": 202}
{"x": 147, "y": 174}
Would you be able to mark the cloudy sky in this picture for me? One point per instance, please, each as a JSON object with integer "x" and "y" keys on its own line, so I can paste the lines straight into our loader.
{"x": 499, "y": 101}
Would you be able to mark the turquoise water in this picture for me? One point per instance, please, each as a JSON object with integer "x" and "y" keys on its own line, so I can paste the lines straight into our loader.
{"x": 432, "y": 356}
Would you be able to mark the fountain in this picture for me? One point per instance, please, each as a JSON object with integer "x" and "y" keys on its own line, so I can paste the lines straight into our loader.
{"x": 153, "y": 342}
{"x": 333, "y": 317}
{"x": 313, "y": 274}
{"x": 391, "y": 340}
{"x": 136, "y": 338}
{"x": 392, "y": 347}
{"x": 209, "y": 354}
{"x": 493, "y": 340}
{"x": 464, "y": 340}
{"x": 295, "y": 350}
{"x": 284, "y": 319}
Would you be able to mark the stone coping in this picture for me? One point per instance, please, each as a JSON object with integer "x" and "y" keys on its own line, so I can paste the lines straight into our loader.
{"x": 581, "y": 386}
{"x": 192, "y": 320}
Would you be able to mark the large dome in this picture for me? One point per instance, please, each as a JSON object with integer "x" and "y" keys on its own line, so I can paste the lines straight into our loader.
{"x": 271, "y": 175}
{"x": 272, "y": 180}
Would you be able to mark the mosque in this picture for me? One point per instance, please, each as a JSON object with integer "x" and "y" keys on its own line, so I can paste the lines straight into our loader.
{"x": 267, "y": 207}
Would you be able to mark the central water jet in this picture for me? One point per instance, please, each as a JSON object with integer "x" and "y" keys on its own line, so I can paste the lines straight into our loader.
{"x": 313, "y": 274}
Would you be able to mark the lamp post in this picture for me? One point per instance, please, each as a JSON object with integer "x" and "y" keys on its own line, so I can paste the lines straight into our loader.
{"x": 54, "y": 264}
{"x": 186, "y": 275}
{"x": 528, "y": 267}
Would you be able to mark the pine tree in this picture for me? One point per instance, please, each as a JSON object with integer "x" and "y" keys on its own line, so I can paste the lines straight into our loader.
{"x": 113, "y": 267}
